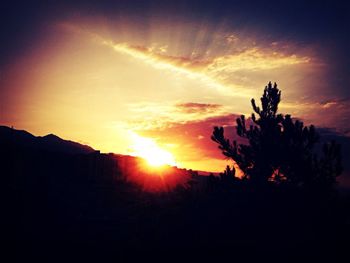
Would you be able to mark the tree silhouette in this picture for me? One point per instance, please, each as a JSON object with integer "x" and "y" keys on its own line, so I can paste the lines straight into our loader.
{"x": 278, "y": 148}
{"x": 228, "y": 175}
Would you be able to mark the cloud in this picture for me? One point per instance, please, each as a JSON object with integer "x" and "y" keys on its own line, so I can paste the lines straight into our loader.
{"x": 216, "y": 68}
{"x": 159, "y": 54}
{"x": 249, "y": 58}
{"x": 193, "y": 107}
{"x": 254, "y": 59}
{"x": 333, "y": 113}
{"x": 151, "y": 115}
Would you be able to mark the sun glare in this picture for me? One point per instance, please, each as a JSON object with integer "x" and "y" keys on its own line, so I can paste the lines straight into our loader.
{"x": 149, "y": 150}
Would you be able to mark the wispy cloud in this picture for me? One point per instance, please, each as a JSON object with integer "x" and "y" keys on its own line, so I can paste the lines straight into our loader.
{"x": 181, "y": 65}
{"x": 255, "y": 59}
{"x": 249, "y": 58}
{"x": 213, "y": 70}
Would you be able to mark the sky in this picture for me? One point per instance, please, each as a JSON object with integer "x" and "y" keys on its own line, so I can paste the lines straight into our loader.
{"x": 124, "y": 75}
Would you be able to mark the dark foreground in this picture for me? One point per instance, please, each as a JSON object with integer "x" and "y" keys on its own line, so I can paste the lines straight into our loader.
{"x": 77, "y": 207}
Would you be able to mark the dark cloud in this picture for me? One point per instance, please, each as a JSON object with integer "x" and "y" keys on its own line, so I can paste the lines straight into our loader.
{"x": 333, "y": 113}
{"x": 194, "y": 107}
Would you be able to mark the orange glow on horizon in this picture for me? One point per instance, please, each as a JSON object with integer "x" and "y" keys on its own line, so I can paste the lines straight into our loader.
{"x": 152, "y": 178}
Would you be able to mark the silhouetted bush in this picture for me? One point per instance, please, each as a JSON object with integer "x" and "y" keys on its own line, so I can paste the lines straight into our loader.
{"x": 280, "y": 149}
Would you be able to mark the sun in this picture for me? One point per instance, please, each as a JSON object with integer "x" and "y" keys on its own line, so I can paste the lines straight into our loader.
{"x": 159, "y": 157}
{"x": 148, "y": 149}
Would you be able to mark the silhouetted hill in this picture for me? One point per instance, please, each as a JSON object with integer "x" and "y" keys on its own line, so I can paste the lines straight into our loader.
{"x": 50, "y": 142}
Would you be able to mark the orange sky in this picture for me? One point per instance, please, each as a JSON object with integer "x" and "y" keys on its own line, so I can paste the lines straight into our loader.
{"x": 103, "y": 83}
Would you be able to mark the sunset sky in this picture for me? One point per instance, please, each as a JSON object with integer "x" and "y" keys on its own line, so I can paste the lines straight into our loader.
{"x": 117, "y": 76}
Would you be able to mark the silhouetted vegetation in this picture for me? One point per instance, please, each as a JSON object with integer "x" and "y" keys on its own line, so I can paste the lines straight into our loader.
{"x": 65, "y": 202}
{"x": 279, "y": 149}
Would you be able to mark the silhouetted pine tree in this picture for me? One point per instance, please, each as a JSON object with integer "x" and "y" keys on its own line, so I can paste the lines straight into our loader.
{"x": 279, "y": 149}
{"x": 228, "y": 175}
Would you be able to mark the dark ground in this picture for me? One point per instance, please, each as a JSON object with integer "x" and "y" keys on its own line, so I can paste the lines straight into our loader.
{"x": 78, "y": 207}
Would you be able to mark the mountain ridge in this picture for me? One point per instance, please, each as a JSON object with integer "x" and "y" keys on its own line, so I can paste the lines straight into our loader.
{"x": 54, "y": 143}
{"x": 49, "y": 142}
